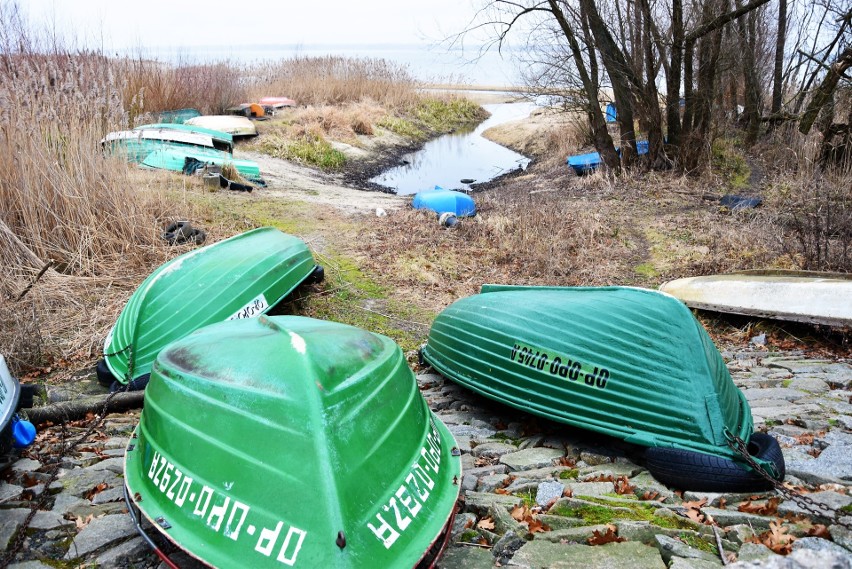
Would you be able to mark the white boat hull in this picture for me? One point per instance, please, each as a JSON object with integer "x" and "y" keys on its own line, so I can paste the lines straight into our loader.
{"x": 813, "y": 298}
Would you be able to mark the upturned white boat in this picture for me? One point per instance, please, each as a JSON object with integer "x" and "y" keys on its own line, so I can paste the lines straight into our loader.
{"x": 798, "y": 296}
{"x": 232, "y": 124}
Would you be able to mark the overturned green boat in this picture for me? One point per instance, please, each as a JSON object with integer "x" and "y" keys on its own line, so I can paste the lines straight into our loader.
{"x": 626, "y": 362}
{"x": 239, "y": 277}
{"x": 288, "y": 440}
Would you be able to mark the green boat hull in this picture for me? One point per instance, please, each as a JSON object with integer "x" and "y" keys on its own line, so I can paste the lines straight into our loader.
{"x": 294, "y": 441}
{"x": 173, "y": 159}
{"x": 239, "y": 277}
{"x": 626, "y": 362}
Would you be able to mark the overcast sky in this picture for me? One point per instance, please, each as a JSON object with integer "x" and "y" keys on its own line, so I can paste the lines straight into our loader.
{"x": 120, "y": 24}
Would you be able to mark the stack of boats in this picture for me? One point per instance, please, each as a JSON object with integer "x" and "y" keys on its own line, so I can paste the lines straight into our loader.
{"x": 169, "y": 146}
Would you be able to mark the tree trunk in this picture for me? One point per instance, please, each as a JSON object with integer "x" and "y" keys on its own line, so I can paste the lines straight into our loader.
{"x": 79, "y": 408}
{"x": 673, "y": 76}
{"x": 621, "y": 75}
{"x": 751, "y": 111}
{"x": 825, "y": 91}
{"x": 602, "y": 139}
{"x": 780, "y": 40}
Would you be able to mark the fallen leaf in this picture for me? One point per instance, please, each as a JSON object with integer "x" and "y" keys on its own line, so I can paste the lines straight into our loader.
{"x": 723, "y": 503}
{"x": 693, "y": 510}
{"x": 767, "y": 508}
{"x": 609, "y": 536}
{"x": 96, "y": 490}
{"x": 536, "y": 526}
{"x": 649, "y": 495}
{"x": 520, "y": 512}
{"x": 623, "y": 486}
{"x": 83, "y": 522}
{"x": 776, "y": 538}
{"x": 485, "y": 523}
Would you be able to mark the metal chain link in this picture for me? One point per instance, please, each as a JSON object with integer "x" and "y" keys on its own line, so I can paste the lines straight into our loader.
{"x": 807, "y": 503}
{"x": 65, "y": 449}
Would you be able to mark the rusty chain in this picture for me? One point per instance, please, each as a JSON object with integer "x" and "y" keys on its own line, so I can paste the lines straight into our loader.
{"x": 65, "y": 449}
{"x": 807, "y": 503}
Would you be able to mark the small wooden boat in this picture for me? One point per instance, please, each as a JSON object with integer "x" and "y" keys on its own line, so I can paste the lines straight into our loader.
{"x": 626, "y": 362}
{"x": 798, "y": 296}
{"x": 441, "y": 201}
{"x": 285, "y": 441}
{"x": 240, "y": 277}
{"x": 232, "y": 124}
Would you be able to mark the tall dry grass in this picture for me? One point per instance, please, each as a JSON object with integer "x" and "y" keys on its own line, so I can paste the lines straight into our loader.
{"x": 151, "y": 86}
{"x": 334, "y": 80}
{"x": 63, "y": 203}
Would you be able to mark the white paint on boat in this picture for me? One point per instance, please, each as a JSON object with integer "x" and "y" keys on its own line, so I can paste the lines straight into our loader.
{"x": 232, "y": 124}
{"x": 799, "y": 296}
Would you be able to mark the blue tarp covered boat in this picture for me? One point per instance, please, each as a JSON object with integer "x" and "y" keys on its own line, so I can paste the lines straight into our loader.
{"x": 441, "y": 201}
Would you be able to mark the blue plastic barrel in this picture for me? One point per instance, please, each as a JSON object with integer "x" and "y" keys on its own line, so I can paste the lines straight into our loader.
{"x": 441, "y": 201}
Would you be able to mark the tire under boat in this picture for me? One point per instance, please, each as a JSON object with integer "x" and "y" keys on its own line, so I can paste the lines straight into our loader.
{"x": 288, "y": 440}
{"x": 626, "y": 362}
{"x": 240, "y": 277}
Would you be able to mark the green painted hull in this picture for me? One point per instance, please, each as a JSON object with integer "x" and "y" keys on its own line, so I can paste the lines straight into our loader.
{"x": 178, "y": 116}
{"x": 626, "y": 362}
{"x": 173, "y": 159}
{"x": 240, "y": 277}
{"x": 288, "y": 441}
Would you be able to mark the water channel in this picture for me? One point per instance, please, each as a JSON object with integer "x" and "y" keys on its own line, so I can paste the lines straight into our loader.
{"x": 451, "y": 158}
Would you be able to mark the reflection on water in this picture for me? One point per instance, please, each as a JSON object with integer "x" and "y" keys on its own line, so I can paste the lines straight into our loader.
{"x": 451, "y": 158}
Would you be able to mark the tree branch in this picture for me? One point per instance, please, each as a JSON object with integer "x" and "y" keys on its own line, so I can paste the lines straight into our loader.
{"x": 720, "y": 21}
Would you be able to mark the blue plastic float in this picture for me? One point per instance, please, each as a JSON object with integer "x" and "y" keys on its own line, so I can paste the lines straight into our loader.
{"x": 441, "y": 201}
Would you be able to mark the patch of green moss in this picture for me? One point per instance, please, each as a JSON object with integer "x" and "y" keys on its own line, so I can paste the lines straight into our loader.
{"x": 352, "y": 297}
{"x": 604, "y": 511}
{"x": 847, "y": 509}
{"x": 728, "y": 160}
{"x": 571, "y": 474}
{"x": 501, "y": 436}
{"x": 698, "y": 543}
{"x": 445, "y": 115}
{"x": 468, "y": 536}
{"x": 787, "y": 383}
{"x": 402, "y": 127}
{"x": 311, "y": 149}
{"x": 528, "y": 497}
{"x": 646, "y": 270}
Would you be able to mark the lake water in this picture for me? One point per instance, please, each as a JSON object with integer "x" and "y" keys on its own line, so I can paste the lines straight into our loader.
{"x": 431, "y": 64}
{"x": 451, "y": 158}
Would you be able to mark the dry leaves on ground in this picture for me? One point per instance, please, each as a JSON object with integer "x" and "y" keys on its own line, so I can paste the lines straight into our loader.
{"x": 524, "y": 515}
{"x": 486, "y": 523}
{"x": 693, "y": 510}
{"x": 767, "y": 508}
{"x": 776, "y": 538}
{"x": 609, "y": 536}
